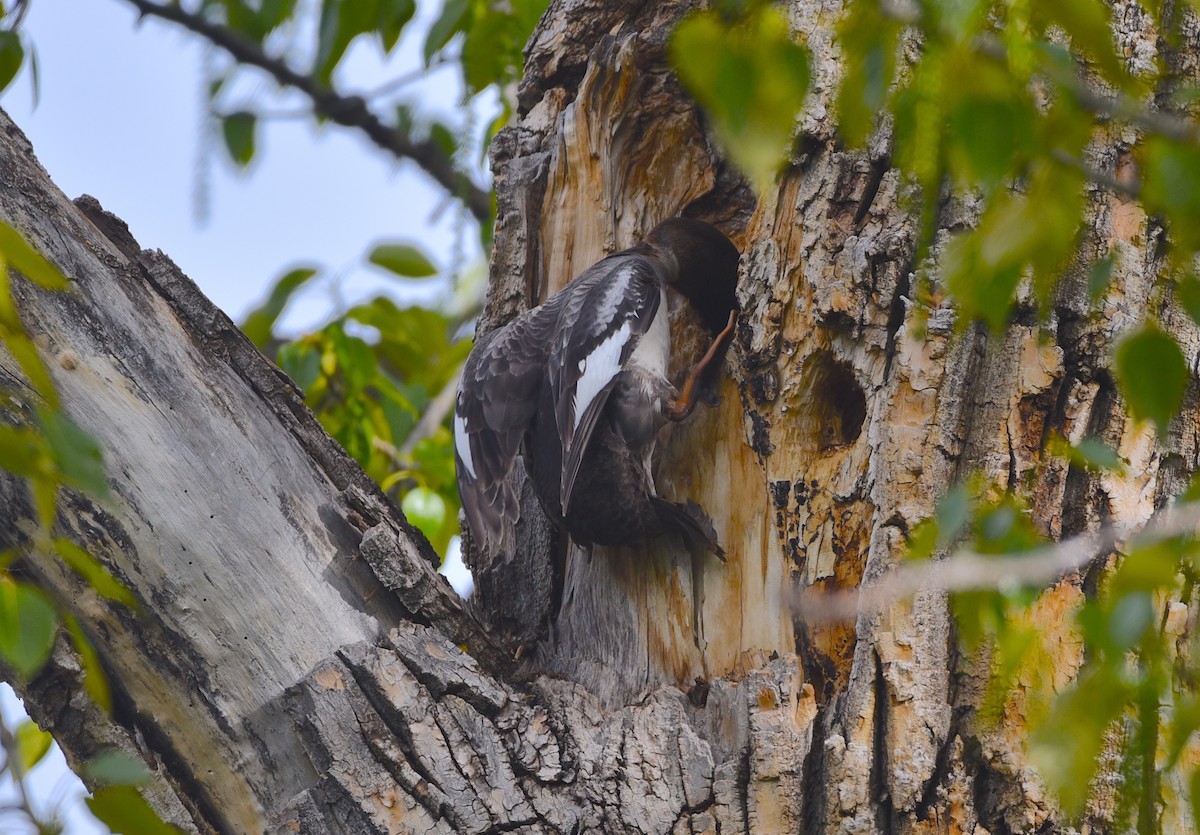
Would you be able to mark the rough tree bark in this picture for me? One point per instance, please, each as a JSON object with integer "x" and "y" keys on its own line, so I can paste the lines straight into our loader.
{"x": 299, "y": 666}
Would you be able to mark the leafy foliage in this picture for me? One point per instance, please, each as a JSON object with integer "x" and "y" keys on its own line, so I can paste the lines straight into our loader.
{"x": 484, "y": 39}
{"x": 123, "y": 810}
{"x": 404, "y": 260}
{"x": 1153, "y": 374}
{"x": 751, "y": 76}
{"x": 1136, "y": 686}
{"x": 238, "y": 130}
{"x": 995, "y": 106}
{"x": 493, "y": 37}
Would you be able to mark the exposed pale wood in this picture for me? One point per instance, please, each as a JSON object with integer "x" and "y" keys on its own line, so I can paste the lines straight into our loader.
{"x": 234, "y": 518}
{"x": 845, "y": 429}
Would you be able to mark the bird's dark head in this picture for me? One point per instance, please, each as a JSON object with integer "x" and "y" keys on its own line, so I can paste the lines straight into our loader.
{"x": 705, "y": 266}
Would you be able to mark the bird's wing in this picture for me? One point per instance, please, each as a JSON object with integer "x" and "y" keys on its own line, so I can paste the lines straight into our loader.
{"x": 496, "y": 402}
{"x": 603, "y": 317}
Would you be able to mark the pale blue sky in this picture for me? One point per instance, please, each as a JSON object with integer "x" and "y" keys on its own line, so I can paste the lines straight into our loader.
{"x": 120, "y": 118}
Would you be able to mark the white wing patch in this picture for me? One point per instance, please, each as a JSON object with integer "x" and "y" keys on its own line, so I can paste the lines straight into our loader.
{"x": 462, "y": 444}
{"x": 597, "y": 369}
{"x": 653, "y": 351}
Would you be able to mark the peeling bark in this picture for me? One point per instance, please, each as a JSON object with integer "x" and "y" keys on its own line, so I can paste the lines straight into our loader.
{"x": 839, "y": 428}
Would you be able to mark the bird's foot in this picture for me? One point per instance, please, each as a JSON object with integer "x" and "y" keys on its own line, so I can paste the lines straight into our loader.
{"x": 682, "y": 406}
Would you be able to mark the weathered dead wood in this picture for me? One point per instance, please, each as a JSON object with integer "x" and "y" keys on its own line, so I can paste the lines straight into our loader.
{"x": 235, "y": 519}
{"x": 845, "y": 428}
{"x": 297, "y": 665}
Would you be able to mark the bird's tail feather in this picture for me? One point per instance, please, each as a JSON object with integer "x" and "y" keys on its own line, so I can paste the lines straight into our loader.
{"x": 692, "y": 523}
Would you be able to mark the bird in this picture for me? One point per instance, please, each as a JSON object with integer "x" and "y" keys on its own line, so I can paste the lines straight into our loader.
{"x": 578, "y": 387}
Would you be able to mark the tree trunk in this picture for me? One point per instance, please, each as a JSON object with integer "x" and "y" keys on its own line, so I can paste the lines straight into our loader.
{"x": 299, "y": 666}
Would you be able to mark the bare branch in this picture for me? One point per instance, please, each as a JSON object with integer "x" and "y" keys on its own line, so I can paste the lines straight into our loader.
{"x": 1126, "y": 109}
{"x": 349, "y": 111}
{"x": 968, "y": 571}
{"x": 441, "y": 405}
{"x": 1120, "y": 106}
{"x": 1131, "y": 190}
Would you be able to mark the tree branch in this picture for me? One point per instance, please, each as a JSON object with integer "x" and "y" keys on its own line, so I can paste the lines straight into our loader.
{"x": 349, "y": 111}
{"x": 966, "y": 570}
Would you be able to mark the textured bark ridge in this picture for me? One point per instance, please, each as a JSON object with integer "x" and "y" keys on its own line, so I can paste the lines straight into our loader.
{"x": 839, "y": 430}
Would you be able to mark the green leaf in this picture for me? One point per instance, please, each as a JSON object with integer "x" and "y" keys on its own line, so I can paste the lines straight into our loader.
{"x": 1098, "y": 454}
{"x": 1005, "y": 528}
{"x": 274, "y": 13}
{"x": 341, "y": 22}
{"x": 393, "y": 16}
{"x": 493, "y": 46}
{"x": 1099, "y": 277}
{"x": 355, "y": 359}
{"x": 1066, "y": 745}
{"x": 1171, "y": 186}
{"x": 32, "y": 745}
{"x": 953, "y": 513}
{"x": 426, "y": 510}
{"x": 1131, "y": 615}
{"x": 436, "y": 459}
{"x": 238, "y": 130}
{"x": 45, "y": 501}
{"x": 116, "y": 768}
{"x": 301, "y": 362}
{"x": 983, "y": 291}
{"x": 978, "y": 614}
{"x": 26, "y": 355}
{"x": 27, "y": 626}
{"x": 990, "y": 119}
{"x": 1017, "y": 232}
{"x": 868, "y": 40}
{"x": 1184, "y": 721}
{"x": 19, "y": 254}
{"x": 123, "y": 810}
{"x": 1090, "y": 453}
{"x": 751, "y": 78}
{"x": 1088, "y": 25}
{"x": 403, "y": 260}
{"x": 988, "y": 137}
{"x": 22, "y": 452}
{"x": 922, "y": 540}
{"x": 448, "y": 24}
{"x": 260, "y": 321}
{"x": 1015, "y": 647}
{"x": 96, "y": 575}
{"x": 94, "y": 679}
{"x": 444, "y": 139}
{"x": 1188, "y": 294}
{"x": 1152, "y": 374}
{"x": 527, "y": 13}
{"x": 12, "y": 55}
{"x": 76, "y": 452}
{"x": 1149, "y": 568}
